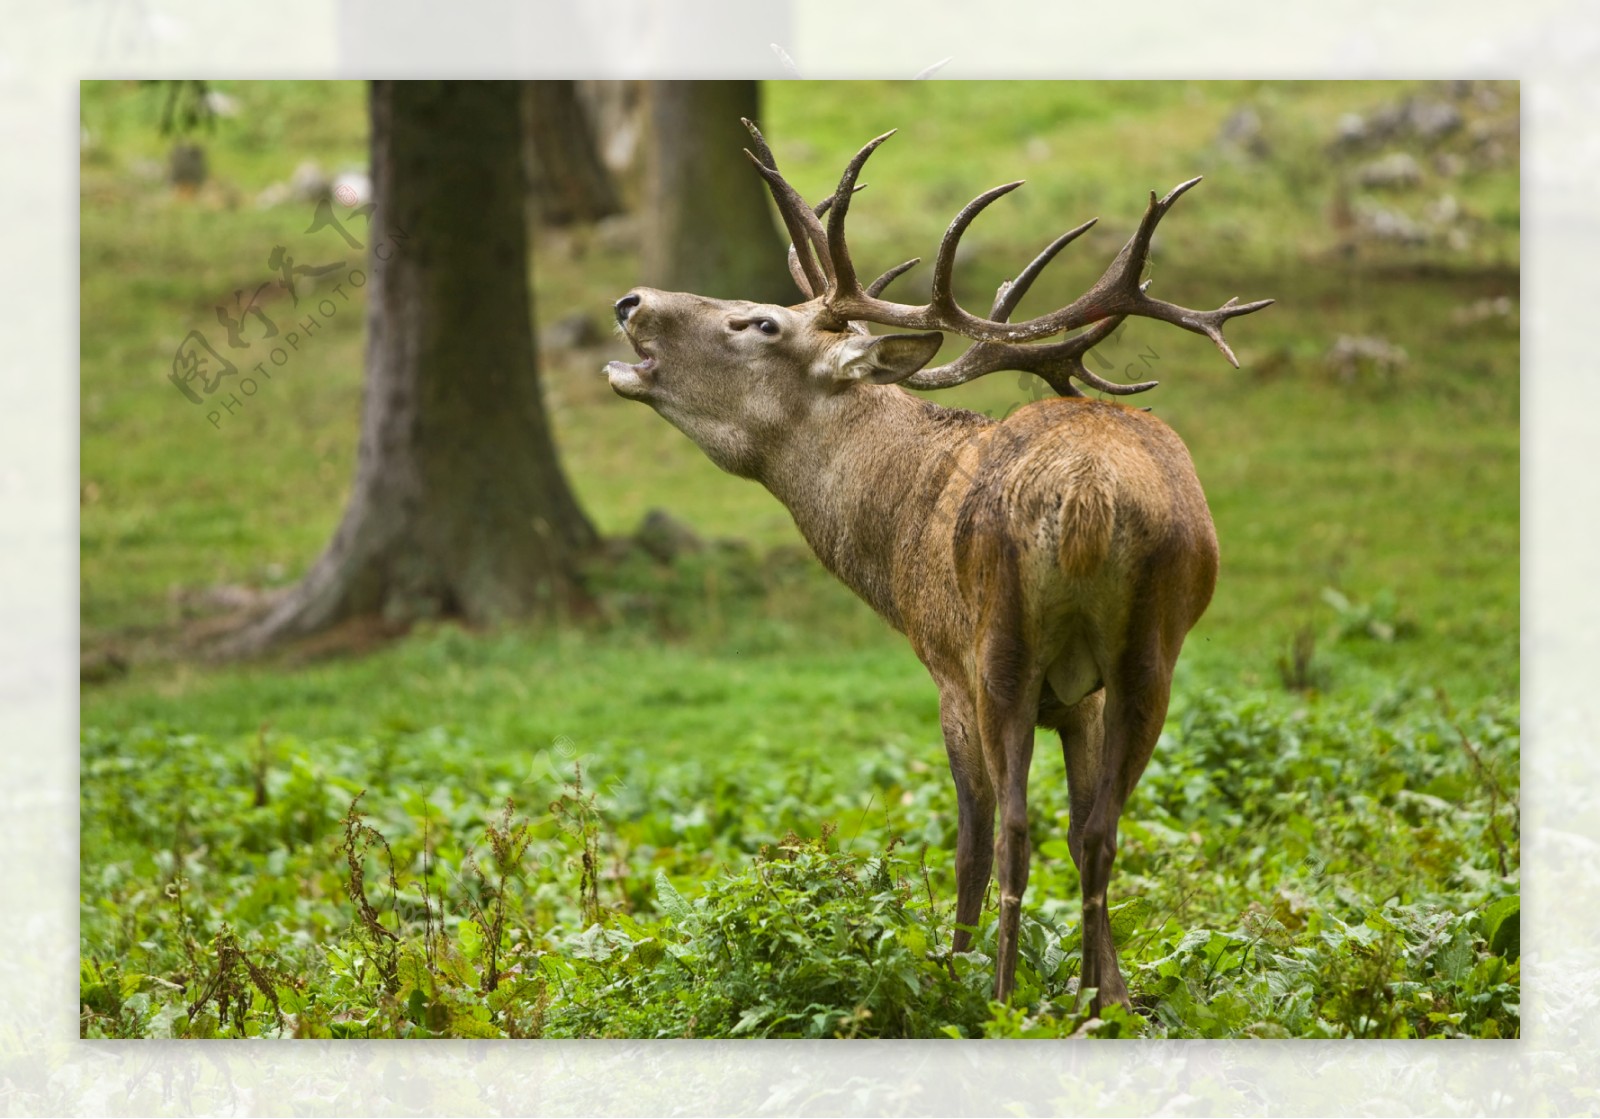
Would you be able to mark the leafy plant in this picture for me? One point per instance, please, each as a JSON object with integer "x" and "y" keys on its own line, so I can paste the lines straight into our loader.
{"x": 1380, "y": 620}
{"x": 1324, "y": 870}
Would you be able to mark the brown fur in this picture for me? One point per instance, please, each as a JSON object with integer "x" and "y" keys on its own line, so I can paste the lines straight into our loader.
{"x": 1045, "y": 567}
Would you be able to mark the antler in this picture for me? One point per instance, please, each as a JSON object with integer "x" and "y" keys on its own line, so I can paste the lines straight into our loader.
{"x": 819, "y": 260}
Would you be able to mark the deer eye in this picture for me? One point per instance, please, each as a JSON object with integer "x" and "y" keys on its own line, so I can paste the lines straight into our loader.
{"x": 767, "y": 327}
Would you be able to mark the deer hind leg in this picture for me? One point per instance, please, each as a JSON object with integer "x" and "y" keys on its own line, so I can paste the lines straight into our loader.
{"x": 974, "y": 808}
{"x": 1082, "y": 747}
{"x": 1008, "y": 700}
{"x": 1135, "y": 706}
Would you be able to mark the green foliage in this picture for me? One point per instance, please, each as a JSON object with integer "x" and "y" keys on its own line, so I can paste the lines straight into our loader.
{"x": 1321, "y": 871}
{"x": 1379, "y": 619}
{"x": 804, "y": 942}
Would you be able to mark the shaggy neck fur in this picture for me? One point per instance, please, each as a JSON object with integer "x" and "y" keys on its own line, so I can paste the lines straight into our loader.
{"x": 863, "y": 480}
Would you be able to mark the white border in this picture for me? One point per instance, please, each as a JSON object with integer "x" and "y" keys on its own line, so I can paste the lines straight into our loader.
{"x": 1553, "y": 46}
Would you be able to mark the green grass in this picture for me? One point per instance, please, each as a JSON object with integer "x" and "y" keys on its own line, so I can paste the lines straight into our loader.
{"x": 737, "y": 697}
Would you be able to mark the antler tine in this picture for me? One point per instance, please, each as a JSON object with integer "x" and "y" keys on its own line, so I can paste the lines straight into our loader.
{"x": 1061, "y": 361}
{"x": 1209, "y": 323}
{"x": 796, "y": 269}
{"x": 791, "y": 206}
{"x": 763, "y": 149}
{"x": 942, "y": 312}
{"x": 1012, "y": 291}
{"x": 1118, "y": 290}
{"x": 804, "y": 227}
{"x": 1134, "y": 254}
{"x": 1120, "y": 285}
{"x": 875, "y": 288}
{"x": 844, "y": 272}
{"x": 943, "y": 299}
{"x": 1057, "y": 363}
{"x": 821, "y": 208}
{"x": 797, "y": 272}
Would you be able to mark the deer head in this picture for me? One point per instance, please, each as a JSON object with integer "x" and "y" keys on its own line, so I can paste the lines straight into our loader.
{"x": 741, "y": 378}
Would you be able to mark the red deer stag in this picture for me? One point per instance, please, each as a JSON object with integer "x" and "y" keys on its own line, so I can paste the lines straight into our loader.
{"x": 1045, "y": 567}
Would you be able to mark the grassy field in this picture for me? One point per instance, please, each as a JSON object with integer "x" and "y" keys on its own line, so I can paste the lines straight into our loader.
{"x": 731, "y": 815}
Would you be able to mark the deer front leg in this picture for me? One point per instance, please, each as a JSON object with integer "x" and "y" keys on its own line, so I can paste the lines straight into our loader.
{"x": 974, "y": 809}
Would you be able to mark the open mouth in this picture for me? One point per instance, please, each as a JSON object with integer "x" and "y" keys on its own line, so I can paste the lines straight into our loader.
{"x": 632, "y": 379}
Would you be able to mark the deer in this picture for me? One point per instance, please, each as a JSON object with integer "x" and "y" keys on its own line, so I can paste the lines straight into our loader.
{"x": 1045, "y": 567}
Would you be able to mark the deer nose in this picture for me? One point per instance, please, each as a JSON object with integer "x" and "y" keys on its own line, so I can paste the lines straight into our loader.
{"x": 625, "y": 307}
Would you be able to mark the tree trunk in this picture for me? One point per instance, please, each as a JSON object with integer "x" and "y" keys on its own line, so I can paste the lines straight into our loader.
{"x": 710, "y": 229}
{"x": 459, "y": 506}
{"x": 617, "y": 113}
{"x": 567, "y": 180}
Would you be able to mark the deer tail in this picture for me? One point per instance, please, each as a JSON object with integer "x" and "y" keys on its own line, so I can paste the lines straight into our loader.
{"x": 1088, "y": 516}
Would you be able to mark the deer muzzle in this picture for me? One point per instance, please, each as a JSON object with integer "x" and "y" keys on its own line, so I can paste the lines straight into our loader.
{"x": 631, "y": 380}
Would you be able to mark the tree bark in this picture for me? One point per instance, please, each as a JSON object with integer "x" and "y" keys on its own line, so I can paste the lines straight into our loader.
{"x": 459, "y": 506}
{"x": 617, "y": 112}
{"x": 710, "y": 229}
{"x": 568, "y": 181}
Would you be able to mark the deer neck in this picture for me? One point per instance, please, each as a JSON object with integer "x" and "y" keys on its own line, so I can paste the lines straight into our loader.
{"x": 862, "y": 481}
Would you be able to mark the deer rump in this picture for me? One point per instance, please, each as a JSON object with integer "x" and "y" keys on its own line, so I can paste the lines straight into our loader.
{"x": 1070, "y": 505}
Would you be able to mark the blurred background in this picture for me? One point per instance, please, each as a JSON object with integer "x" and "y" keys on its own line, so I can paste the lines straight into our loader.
{"x": 1368, "y": 445}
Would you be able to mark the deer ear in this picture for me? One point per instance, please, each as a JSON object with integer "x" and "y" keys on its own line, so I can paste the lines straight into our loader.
{"x": 885, "y": 360}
